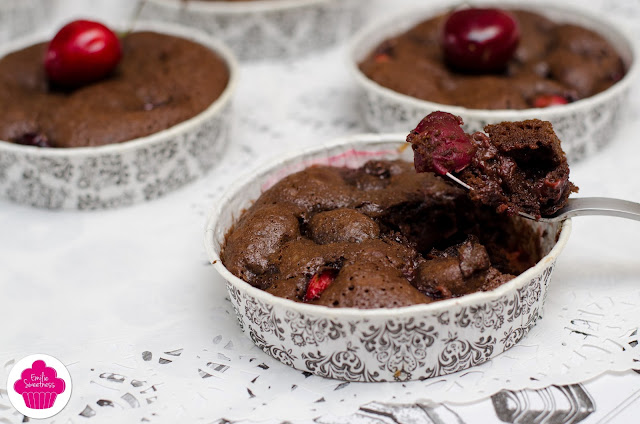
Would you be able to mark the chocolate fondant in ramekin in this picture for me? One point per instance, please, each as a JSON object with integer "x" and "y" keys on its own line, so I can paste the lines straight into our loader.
{"x": 383, "y": 344}
{"x": 178, "y": 136}
{"x": 584, "y": 126}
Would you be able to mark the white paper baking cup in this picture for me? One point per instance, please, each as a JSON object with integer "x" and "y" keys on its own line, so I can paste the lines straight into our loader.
{"x": 20, "y": 17}
{"x": 583, "y": 126}
{"x": 266, "y": 29}
{"x": 124, "y": 173}
{"x": 408, "y": 343}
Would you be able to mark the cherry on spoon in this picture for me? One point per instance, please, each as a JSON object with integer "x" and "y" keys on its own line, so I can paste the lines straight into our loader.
{"x": 441, "y": 145}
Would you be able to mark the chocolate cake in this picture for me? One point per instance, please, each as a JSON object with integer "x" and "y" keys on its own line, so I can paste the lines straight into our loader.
{"x": 515, "y": 167}
{"x": 552, "y": 59}
{"x": 379, "y": 236}
{"x": 161, "y": 81}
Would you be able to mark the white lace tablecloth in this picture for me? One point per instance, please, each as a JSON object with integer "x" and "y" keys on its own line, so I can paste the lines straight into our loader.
{"x": 127, "y": 300}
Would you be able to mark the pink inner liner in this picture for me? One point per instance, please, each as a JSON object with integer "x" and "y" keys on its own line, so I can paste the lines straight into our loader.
{"x": 351, "y": 158}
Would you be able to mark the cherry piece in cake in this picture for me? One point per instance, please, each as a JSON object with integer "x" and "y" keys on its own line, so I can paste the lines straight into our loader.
{"x": 547, "y": 100}
{"x": 319, "y": 283}
{"x": 33, "y": 139}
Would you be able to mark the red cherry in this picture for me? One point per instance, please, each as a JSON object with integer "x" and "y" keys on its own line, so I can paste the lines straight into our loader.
{"x": 82, "y": 52}
{"x": 480, "y": 40}
{"x": 319, "y": 283}
{"x": 554, "y": 188}
{"x": 382, "y": 58}
{"x": 440, "y": 144}
{"x": 546, "y": 100}
{"x": 33, "y": 139}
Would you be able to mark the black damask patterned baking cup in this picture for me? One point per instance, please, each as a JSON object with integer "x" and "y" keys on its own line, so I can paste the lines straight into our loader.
{"x": 584, "y": 126}
{"x": 115, "y": 175}
{"x": 265, "y": 29}
{"x": 408, "y": 343}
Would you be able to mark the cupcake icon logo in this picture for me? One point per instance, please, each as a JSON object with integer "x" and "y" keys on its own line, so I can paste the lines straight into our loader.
{"x": 39, "y": 386}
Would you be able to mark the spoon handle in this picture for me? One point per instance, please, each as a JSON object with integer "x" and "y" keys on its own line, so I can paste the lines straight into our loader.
{"x": 596, "y": 206}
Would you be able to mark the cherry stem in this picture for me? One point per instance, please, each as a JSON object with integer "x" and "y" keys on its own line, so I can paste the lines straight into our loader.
{"x": 135, "y": 17}
{"x": 461, "y": 6}
{"x": 459, "y": 181}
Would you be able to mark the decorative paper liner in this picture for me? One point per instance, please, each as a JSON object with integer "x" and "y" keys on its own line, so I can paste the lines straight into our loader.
{"x": 19, "y": 17}
{"x": 407, "y": 343}
{"x": 123, "y": 173}
{"x": 265, "y": 29}
{"x": 583, "y": 126}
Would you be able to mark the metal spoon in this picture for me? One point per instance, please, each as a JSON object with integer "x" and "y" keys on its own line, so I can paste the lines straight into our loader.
{"x": 582, "y": 206}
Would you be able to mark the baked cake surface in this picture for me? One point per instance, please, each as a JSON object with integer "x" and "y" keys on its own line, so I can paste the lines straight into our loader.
{"x": 161, "y": 81}
{"x": 551, "y": 59}
{"x": 382, "y": 236}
